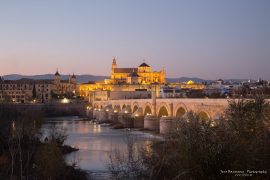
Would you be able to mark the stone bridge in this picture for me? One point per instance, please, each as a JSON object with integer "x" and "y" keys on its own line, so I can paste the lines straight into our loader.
{"x": 157, "y": 114}
{"x": 210, "y": 108}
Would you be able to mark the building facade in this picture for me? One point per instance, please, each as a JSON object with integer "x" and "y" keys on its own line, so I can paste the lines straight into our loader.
{"x": 30, "y": 90}
{"x": 26, "y": 90}
{"x": 143, "y": 74}
{"x": 64, "y": 87}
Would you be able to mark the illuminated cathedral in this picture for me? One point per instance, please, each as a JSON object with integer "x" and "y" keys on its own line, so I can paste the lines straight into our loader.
{"x": 140, "y": 75}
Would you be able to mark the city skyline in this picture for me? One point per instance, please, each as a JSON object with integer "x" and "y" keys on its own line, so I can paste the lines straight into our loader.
{"x": 210, "y": 40}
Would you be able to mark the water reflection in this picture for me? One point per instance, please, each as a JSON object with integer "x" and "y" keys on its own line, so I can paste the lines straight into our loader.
{"x": 96, "y": 142}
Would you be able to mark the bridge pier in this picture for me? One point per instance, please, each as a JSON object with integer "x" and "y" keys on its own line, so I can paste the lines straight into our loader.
{"x": 95, "y": 111}
{"x": 89, "y": 113}
{"x": 126, "y": 120}
{"x": 167, "y": 125}
{"x": 103, "y": 116}
{"x": 138, "y": 118}
{"x": 170, "y": 113}
{"x": 154, "y": 101}
{"x": 113, "y": 116}
{"x": 151, "y": 123}
{"x": 124, "y": 117}
{"x": 100, "y": 115}
{"x": 138, "y": 121}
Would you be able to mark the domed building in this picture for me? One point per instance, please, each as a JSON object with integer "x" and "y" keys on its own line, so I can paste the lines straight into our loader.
{"x": 140, "y": 75}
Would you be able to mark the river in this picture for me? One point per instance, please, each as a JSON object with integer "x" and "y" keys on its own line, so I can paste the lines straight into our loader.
{"x": 96, "y": 142}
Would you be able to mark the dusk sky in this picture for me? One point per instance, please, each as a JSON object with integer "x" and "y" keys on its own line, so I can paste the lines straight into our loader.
{"x": 210, "y": 39}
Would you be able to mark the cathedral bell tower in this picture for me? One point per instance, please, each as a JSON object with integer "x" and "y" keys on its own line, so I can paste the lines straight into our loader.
{"x": 114, "y": 65}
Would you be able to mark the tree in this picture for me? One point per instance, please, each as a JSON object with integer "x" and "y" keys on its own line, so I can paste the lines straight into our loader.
{"x": 248, "y": 122}
{"x": 50, "y": 163}
{"x": 200, "y": 149}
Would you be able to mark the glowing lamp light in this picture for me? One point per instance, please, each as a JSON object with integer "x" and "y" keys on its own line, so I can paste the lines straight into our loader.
{"x": 126, "y": 111}
{"x": 213, "y": 124}
{"x": 13, "y": 125}
{"x": 115, "y": 111}
{"x": 148, "y": 114}
{"x": 65, "y": 101}
{"x": 164, "y": 116}
{"x": 95, "y": 109}
{"x": 136, "y": 115}
{"x": 107, "y": 110}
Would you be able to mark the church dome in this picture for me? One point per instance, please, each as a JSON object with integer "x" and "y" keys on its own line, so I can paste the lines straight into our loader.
{"x": 190, "y": 82}
{"x": 144, "y": 65}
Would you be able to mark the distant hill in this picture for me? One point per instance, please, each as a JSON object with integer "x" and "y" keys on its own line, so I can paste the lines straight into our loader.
{"x": 80, "y": 78}
{"x": 86, "y": 78}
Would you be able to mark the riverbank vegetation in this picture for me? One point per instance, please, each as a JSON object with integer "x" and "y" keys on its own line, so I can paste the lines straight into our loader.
{"x": 236, "y": 145}
{"x": 22, "y": 153}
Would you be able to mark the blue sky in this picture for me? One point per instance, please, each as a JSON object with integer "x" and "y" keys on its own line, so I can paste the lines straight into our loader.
{"x": 209, "y": 39}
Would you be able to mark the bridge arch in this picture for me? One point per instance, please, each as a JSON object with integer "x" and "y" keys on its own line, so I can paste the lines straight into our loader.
{"x": 180, "y": 110}
{"x": 203, "y": 115}
{"x": 163, "y": 111}
{"x": 135, "y": 107}
{"x": 117, "y": 108}
{"x": 127, "y": 109}
{"x": 147, "y": 110}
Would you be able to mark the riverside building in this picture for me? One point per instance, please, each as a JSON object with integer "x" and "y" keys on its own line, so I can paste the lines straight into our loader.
{"x": 30, "y": 90}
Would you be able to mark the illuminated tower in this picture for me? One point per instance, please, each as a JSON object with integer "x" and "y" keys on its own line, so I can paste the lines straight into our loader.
{"x": 114, "y": 65}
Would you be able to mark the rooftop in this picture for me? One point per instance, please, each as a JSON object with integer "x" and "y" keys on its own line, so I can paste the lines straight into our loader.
{"x": 125, "y": 70}
{"x": 144, "y": 65}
